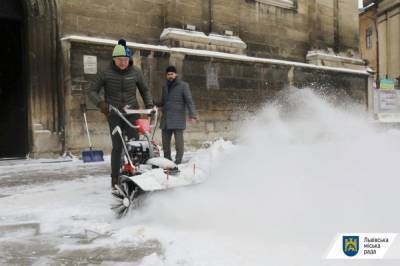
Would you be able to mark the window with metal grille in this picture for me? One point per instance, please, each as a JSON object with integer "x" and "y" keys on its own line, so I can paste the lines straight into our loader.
{"x": 368, "y": 38}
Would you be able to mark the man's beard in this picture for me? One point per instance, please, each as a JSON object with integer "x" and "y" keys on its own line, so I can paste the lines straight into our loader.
{"x": 170, "y": 80}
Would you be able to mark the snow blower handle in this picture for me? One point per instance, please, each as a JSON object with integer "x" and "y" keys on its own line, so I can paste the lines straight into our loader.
{"x": 84, "y": 109}
{"x": 151, "y": 112}
{"x": 112, "y": 108}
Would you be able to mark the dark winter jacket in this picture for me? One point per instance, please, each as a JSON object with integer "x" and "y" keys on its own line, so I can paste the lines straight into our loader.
{"x": 120, "y": 87}
{"x": 174, "y": 101}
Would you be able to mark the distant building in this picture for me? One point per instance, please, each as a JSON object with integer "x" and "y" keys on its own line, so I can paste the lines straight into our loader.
{"x": 51, "y": 50}
{"x": 369, "y": 35}
{"x": 380, "y": 37}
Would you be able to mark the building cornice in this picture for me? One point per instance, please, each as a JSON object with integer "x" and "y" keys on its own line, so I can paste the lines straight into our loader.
{"x": 212, "y": 54}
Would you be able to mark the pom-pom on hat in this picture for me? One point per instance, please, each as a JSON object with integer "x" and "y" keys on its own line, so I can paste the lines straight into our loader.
{"x": 122, "y": 42}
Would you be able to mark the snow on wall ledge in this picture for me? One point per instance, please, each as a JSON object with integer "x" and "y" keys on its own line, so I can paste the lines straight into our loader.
{"x": 203, "y": 53}
{"x": 200, "y": 37}
{"x": 323, "y": 55}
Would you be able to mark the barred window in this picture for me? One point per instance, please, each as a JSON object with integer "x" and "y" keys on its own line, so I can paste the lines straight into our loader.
{"x": 368, "y": 38}
{"x": 291, "y": 4}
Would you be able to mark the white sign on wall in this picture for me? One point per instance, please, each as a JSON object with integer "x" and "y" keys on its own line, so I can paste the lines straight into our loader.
{"x": 212, "y": 76}
{"x": 387, "y": 105}
{"x": 389, "y": 101}
{"x": 90, "y": 64}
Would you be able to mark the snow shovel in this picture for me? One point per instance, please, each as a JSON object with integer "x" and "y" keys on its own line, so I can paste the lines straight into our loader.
{"x": 90, "y": 155}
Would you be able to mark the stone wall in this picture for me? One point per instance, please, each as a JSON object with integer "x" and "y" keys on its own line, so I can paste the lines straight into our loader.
{"x": 268, "y": 30}
{"x": 53, "y": 69}
{"x": 139, "y": 20}
{"x": 223, "y": 90}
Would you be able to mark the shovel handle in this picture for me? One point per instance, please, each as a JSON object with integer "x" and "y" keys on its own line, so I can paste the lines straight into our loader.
{"x": 84, "y": 109}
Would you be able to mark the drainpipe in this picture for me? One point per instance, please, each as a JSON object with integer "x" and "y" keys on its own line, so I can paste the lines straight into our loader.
{"x": 377, "y": 49}
{"x": 387, "y": 43}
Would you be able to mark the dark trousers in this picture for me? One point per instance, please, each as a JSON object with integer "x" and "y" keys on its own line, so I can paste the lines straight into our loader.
{"x": 179, "y": 145}
{"x": 117, "y": 147}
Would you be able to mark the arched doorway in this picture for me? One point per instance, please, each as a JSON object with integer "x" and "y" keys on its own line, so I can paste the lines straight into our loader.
{"x": 31, "y": 95}
{"x": 13, "y": 94}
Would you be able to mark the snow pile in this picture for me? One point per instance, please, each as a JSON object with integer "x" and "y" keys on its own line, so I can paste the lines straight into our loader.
{"x": 304, "y": 172}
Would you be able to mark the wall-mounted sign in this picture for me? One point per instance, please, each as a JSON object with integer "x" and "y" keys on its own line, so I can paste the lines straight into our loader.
{"x": 90, "y": 64}
{"x": 212, "y": 76}
{"x": 388, "y": 107}
{"x": 386, "y": 84}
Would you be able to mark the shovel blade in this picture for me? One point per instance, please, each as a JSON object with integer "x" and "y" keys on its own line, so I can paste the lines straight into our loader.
{"x": 92, "y": 156}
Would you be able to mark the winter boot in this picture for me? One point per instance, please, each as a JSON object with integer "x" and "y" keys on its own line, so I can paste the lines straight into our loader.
{"x": 114, "y": 181}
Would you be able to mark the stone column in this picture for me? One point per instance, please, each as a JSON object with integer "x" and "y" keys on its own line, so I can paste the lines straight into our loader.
{"x": 176, "y": 59}
{"x": 67, "y": 85}
{"x": 336, "y": 30}
{"x": 312, "y": 23}
{"x": 170, "y": 16}
{"x": 137, "y": 61}
{"x": 206, "y": 16}
{"x": 370, "y": 100}
{"x": 152, "y": 75}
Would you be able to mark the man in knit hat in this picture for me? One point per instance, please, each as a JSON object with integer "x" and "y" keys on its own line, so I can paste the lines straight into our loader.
{"x": 119, "y": 82}
{"x": 176, "y": 98}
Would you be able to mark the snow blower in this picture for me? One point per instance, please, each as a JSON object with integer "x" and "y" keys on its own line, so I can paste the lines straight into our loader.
{"x": 90, "y": 155}
{"x": 142, "y": 169}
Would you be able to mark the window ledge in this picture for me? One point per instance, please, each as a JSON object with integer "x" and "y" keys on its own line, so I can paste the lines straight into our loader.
{"x": 288, "y": 4}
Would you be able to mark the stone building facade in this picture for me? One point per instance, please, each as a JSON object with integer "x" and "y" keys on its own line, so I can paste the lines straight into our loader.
{"x": 236, "y": 55}
{"x": 369, "y": 37}
{"x": 268, "y": 29}
{"x": 389, "y": 39}
{"x": 380, "y": 37}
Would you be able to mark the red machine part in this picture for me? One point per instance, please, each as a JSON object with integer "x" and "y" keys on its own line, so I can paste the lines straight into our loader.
{"x": 143, "y": 125}
{"x": 128, "y": 168}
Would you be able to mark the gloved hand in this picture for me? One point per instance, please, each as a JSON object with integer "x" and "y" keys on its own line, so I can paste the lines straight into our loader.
{"x": 153, "y": 109}
{"x": 193, "y": 120}
{"x": 104, "y": 108}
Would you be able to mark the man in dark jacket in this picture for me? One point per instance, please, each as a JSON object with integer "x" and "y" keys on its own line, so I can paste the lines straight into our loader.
{"x": 120, "y": 82}
{"x": 176, "y": 97}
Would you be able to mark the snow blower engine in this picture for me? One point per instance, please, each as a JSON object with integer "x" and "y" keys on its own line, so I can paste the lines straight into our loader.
{"x": 142, "y": 169}
{"x": 138, "y": 152}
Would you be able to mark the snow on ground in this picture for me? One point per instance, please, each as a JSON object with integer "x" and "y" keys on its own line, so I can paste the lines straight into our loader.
{"x": 302, "y": 172}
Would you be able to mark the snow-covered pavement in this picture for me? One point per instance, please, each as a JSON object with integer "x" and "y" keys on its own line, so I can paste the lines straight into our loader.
{"x": 296, "y": 178}
{"x": 58, "y": 212}
{"x": 35, "y": 172}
